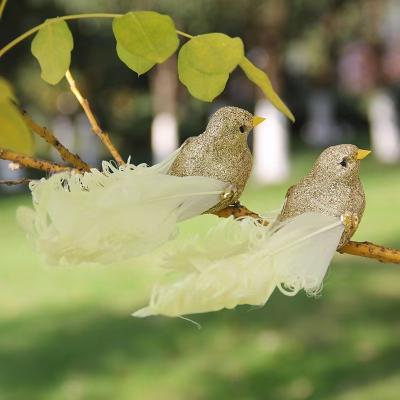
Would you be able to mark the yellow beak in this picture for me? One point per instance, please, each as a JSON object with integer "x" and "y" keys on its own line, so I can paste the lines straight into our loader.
{"x": 361, "y": 154}
{"x": 257, "y": 120}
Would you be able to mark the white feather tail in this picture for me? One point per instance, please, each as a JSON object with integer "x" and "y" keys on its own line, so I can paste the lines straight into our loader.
{"x": 302, "y": 249}
{"x": 114, "y": 214}
{"x": 241, "y": 262}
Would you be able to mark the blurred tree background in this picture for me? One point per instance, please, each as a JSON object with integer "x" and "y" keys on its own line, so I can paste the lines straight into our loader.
{"x": 330, "y": 60}
{"x": 67, "y": 334}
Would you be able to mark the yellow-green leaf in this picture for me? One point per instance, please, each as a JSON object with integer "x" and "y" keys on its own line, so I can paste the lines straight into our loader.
{"x": 202, "y": 86}
{"x": 6, "y": 90}
{"x": 138, "y": 64}
{"x": 205, "y": 62}
{"x": 146, "y": 34}
{"x": 14, "y": 134}
{"x": 213, "y": 53}
{"x": 52, "y": 47}
{"x": 261, "y": 79}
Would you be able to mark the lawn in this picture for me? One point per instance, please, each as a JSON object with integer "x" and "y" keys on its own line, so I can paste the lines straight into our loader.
{"x": 67, "y": 333}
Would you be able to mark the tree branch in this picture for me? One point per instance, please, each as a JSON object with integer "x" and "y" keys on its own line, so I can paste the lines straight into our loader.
{"x": 50, "y": 138}
{"x": 31, "y": 162}
{"x": 361, "y": 249}
{"x": 371, "y": 250}
{"x": 238, "y": 211}
{"x": 104, "y": 137}
{"x": 15, "y": 182}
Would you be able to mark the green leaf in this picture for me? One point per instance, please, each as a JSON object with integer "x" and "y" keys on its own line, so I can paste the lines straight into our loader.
{"x": 14, "y": 134}
{"x": 261, "y": 79}
{"x": 205, "y": 62}
{"x": 138, "y": 64}
{"x": 213, "y": 53}
{"x": 146, "y": 34}
{"x": 6, "y": 90}
{"x": 52, "y": 47}
{"x": 202, "y": 86}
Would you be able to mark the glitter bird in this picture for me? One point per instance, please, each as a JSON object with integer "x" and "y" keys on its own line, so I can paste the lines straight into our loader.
{"x": 242, "y": 262}
{"x": 221, "y": 152}
{"x": 332, "y": 187}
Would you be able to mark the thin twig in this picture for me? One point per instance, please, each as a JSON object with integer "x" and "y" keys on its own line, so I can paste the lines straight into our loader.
{"x": 104, "y": 137}
{"x": 50, "y": 138}
{"x": 371, "y": 250}
{"x": 361, "y": 249}
{"x": 31, "y": 162}
{"x": 15, "y": 182}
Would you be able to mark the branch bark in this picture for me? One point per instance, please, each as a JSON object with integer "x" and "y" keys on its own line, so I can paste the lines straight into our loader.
{"x": 371, "y": 250}
{"x": 15, "y": 182}
{"x": 361, "y": 249}
{"x": 31, "y": 162}
{"x": 50, "y": 138}
{"x": 237, "y": 211}
{"x": 104, "y": 137}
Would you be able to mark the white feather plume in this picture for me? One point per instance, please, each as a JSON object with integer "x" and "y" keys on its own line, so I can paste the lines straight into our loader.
{"x": 113, "y": 214}
{"x": 241, "y": 262}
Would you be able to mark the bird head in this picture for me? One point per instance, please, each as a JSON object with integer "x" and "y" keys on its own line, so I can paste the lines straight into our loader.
{"x": 232, "y": 123}
{"x": 339, "y": 162}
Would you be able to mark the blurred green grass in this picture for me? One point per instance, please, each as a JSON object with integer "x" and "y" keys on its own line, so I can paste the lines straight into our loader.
{"x": 67, "y": 333}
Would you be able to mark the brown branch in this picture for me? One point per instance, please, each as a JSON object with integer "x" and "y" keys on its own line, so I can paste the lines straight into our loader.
{"x": 371, "y": 250}
{"x": 238, "y": 211}
{"x": 361, "y": 249}
{"x": 15, "y": 182}
{"x": 31, "y": 162}
{"x": 104, "y": 137}
{"x": 50, "y": 138}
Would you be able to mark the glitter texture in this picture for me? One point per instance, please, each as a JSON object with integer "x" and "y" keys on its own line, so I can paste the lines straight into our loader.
{"x": 332, "y": 187}
{"x": 221, "y": 152}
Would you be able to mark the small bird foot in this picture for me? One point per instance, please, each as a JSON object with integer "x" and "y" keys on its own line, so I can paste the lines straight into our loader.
{"x": 229, "y": 193}
{"x": 350, "y": 221}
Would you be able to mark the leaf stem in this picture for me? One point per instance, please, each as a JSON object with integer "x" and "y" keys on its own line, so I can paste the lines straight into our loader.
{"x": 184, "y": 34}
{"x": 2, "y": 7}
{"x": 33, "y": 30}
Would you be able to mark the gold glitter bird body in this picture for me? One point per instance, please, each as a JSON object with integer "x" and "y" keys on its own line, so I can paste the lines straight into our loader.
{"x": 221, "y": 152}
{"x": 332, "y": 188}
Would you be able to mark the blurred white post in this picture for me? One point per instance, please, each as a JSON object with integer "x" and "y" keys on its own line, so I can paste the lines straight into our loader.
{"x": 164, "y": 136}
{"x": 384, "y": 127}
{"x": 164, "y": 127}
{"x": 270, "y": 145}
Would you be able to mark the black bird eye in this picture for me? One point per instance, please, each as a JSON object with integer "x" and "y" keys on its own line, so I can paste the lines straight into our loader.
{"x": 343, "y": 163}
{"x": 241, "y": 129}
